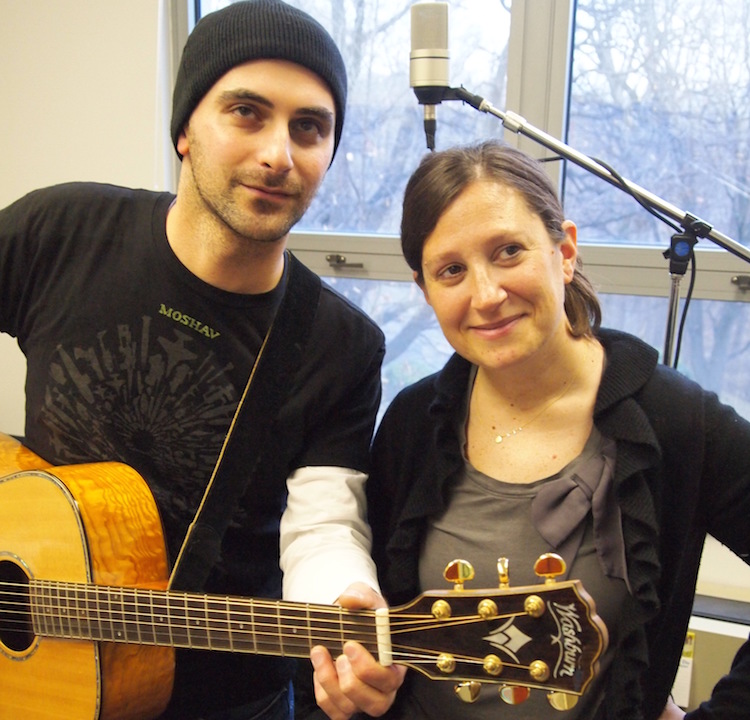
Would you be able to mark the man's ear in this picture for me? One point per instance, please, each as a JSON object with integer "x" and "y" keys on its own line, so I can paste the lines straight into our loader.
{"x": 182, "y": 143}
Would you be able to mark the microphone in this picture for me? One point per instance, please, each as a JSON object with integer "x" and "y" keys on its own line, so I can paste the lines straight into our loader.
{"x": 429, "y": 60}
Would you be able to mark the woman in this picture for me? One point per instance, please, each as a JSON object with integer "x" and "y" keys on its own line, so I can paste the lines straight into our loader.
{"x": 538, "y": 407}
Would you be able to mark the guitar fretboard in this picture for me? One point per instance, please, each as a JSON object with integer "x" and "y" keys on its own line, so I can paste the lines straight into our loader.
{"x": 152, "y": 617}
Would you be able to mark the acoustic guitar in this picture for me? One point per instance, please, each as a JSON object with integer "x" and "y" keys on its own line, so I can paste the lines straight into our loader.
{"x": 88, "y": 628}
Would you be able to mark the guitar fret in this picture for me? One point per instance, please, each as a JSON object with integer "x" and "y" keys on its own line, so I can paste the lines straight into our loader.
{"x": 66, "y": 608}
{"x": 198, "y": 632}
{"x": 241, "y": 625}
{"x": 84, "y": 623}
{"x": 186, "y": 621}
{"x": 278, "y": 629}
{"x": 144, "y": 613}
{"x": 63, "y": 611}
{"x": 309, "y": 626}
{"x": 207, "y": 622}
{"x": 230, "y": 637}
{"x": 55, "y": 618}
{"x": 162, "y": 626}
{"x": 76, "y": 620}
{"x": 297, "y": 630}
{"x": 178, "y": 630}
{"x": 96, "y": 626}
{"x": 341, "y": 626}
{"x": 37, "y": 617}
{"x": 137, "y": 616}
{"x": 217, "y": 624}
{"x": 115, "y": 601}
{"x": 266, "y": 639}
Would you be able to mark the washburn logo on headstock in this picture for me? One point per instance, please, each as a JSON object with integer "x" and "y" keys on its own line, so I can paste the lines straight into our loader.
{"x": 509, "y": 639}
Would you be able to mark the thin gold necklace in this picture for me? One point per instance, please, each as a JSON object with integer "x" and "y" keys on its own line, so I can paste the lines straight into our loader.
{"x": 504, "y": 436}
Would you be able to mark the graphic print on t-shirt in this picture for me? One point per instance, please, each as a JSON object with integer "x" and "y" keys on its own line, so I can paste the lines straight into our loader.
{"x": 159, "y": 403}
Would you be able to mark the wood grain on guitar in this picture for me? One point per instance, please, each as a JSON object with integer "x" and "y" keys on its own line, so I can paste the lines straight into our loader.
{"x": 88, "y": 629}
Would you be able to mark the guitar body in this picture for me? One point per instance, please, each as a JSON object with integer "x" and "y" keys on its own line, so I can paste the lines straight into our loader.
{"x": 84, "y": 524}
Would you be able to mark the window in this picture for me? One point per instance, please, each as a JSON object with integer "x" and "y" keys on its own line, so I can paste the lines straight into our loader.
{"x": 665, "y": 105}
{"x": 660, "y": 91}
{"x": 383, "y": 138}
{"x": 359, "y": 203}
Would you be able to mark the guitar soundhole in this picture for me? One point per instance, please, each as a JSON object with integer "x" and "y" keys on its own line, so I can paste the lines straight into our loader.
{"x": 16, "y": 632}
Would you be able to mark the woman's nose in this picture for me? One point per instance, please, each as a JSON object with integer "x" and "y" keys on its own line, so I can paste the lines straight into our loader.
{"x": 488, "y": 288}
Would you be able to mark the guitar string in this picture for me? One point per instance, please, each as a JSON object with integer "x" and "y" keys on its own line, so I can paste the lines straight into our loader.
{"x": 263, "y": 630}
{"x": 403, "y": 653}
{"x": 420, "y": 656}
{"x": 341, "y": 619}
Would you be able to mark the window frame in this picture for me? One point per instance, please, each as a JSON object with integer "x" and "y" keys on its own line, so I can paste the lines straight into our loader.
{"x": 537, "y": 90}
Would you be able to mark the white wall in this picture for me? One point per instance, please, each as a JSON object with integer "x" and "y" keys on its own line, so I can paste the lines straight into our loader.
{"x": 78, "y": 101}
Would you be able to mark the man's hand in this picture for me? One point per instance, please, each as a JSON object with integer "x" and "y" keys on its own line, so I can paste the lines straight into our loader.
{"x": 355, "y": 681}
{"x": 671, "y": 712}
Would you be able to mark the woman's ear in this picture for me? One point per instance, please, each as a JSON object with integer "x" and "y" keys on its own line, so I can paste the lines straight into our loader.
{"x": 569, "y": 249}
{"x": 420, "y": 282}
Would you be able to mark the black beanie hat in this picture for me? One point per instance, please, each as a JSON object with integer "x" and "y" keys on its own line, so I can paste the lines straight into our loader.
{"x": 250, "y": 30}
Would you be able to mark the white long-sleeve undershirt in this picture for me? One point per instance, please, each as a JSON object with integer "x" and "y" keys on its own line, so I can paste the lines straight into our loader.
{"x": 325, "y": 539}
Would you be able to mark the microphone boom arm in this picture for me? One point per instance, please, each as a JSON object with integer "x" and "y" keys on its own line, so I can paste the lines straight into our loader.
{"x": 516, "y": 123}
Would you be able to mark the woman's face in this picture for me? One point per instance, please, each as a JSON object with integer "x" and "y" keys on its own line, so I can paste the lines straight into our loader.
{"x": 495, "y": 278}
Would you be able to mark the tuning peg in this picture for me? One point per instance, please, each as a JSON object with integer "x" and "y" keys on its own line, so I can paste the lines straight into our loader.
{"x": 502, "y": 572}
{"x": 561, "y": 700}
{"x": 514, "y": 694}
{"x": 492, "y": 665}
{"x": 487, "y": 609}
{"x": 468, "y": 692}
{"x": 458, "y": 572}
{"x": 534, "y": 606}
{"x": 549, "y": 566}
{"x": 539, "y": 671}
{"x": 446, "y": 663}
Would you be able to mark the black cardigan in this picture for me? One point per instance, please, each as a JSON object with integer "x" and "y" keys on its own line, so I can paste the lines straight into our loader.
{"x": 682, "y": 471}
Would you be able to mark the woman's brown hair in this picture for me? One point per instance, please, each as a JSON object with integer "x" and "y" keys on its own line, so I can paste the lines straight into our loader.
{"x": 442, "y": 176}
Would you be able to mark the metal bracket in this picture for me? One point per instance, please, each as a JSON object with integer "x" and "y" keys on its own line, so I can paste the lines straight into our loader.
{"x": 336, "y": 260}
{"x": 742, "y": 282}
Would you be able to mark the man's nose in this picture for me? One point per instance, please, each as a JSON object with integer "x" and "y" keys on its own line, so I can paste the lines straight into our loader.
{"x": 276, "y": 149}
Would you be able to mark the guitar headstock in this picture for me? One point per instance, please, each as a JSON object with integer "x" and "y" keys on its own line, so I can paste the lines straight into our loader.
{"x": 545, "y": 636}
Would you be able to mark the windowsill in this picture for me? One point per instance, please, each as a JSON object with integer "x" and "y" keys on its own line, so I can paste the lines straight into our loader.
{"x": 715, "y": 608}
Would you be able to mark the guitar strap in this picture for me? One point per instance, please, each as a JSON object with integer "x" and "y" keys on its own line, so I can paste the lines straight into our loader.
{"x": 278, "y": 359}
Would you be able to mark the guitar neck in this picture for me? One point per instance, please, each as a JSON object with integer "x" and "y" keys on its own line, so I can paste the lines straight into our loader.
{"x": 185, "y": 620}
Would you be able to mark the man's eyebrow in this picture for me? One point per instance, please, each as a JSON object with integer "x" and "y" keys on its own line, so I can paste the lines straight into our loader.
{"x": 322, "y": 113}
{"x": 243, "y": 94}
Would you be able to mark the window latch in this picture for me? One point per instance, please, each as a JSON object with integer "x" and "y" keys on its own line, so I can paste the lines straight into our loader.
{"x": 336, "y": 260}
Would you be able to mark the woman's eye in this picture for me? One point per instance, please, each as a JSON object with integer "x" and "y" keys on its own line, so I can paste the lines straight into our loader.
{"x": 451, "y": 271}
{"x": 509, "y": 251}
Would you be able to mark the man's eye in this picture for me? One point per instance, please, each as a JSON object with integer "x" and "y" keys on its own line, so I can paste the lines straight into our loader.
{"x": 308, "y": 128}
{"x": 245, "y": 111}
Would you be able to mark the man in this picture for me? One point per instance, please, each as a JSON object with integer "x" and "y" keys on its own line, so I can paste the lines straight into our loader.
{"x": 142, "y": 314}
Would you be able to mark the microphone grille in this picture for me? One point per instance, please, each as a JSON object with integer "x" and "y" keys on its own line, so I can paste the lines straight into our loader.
{"x": 429, "y": 26}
